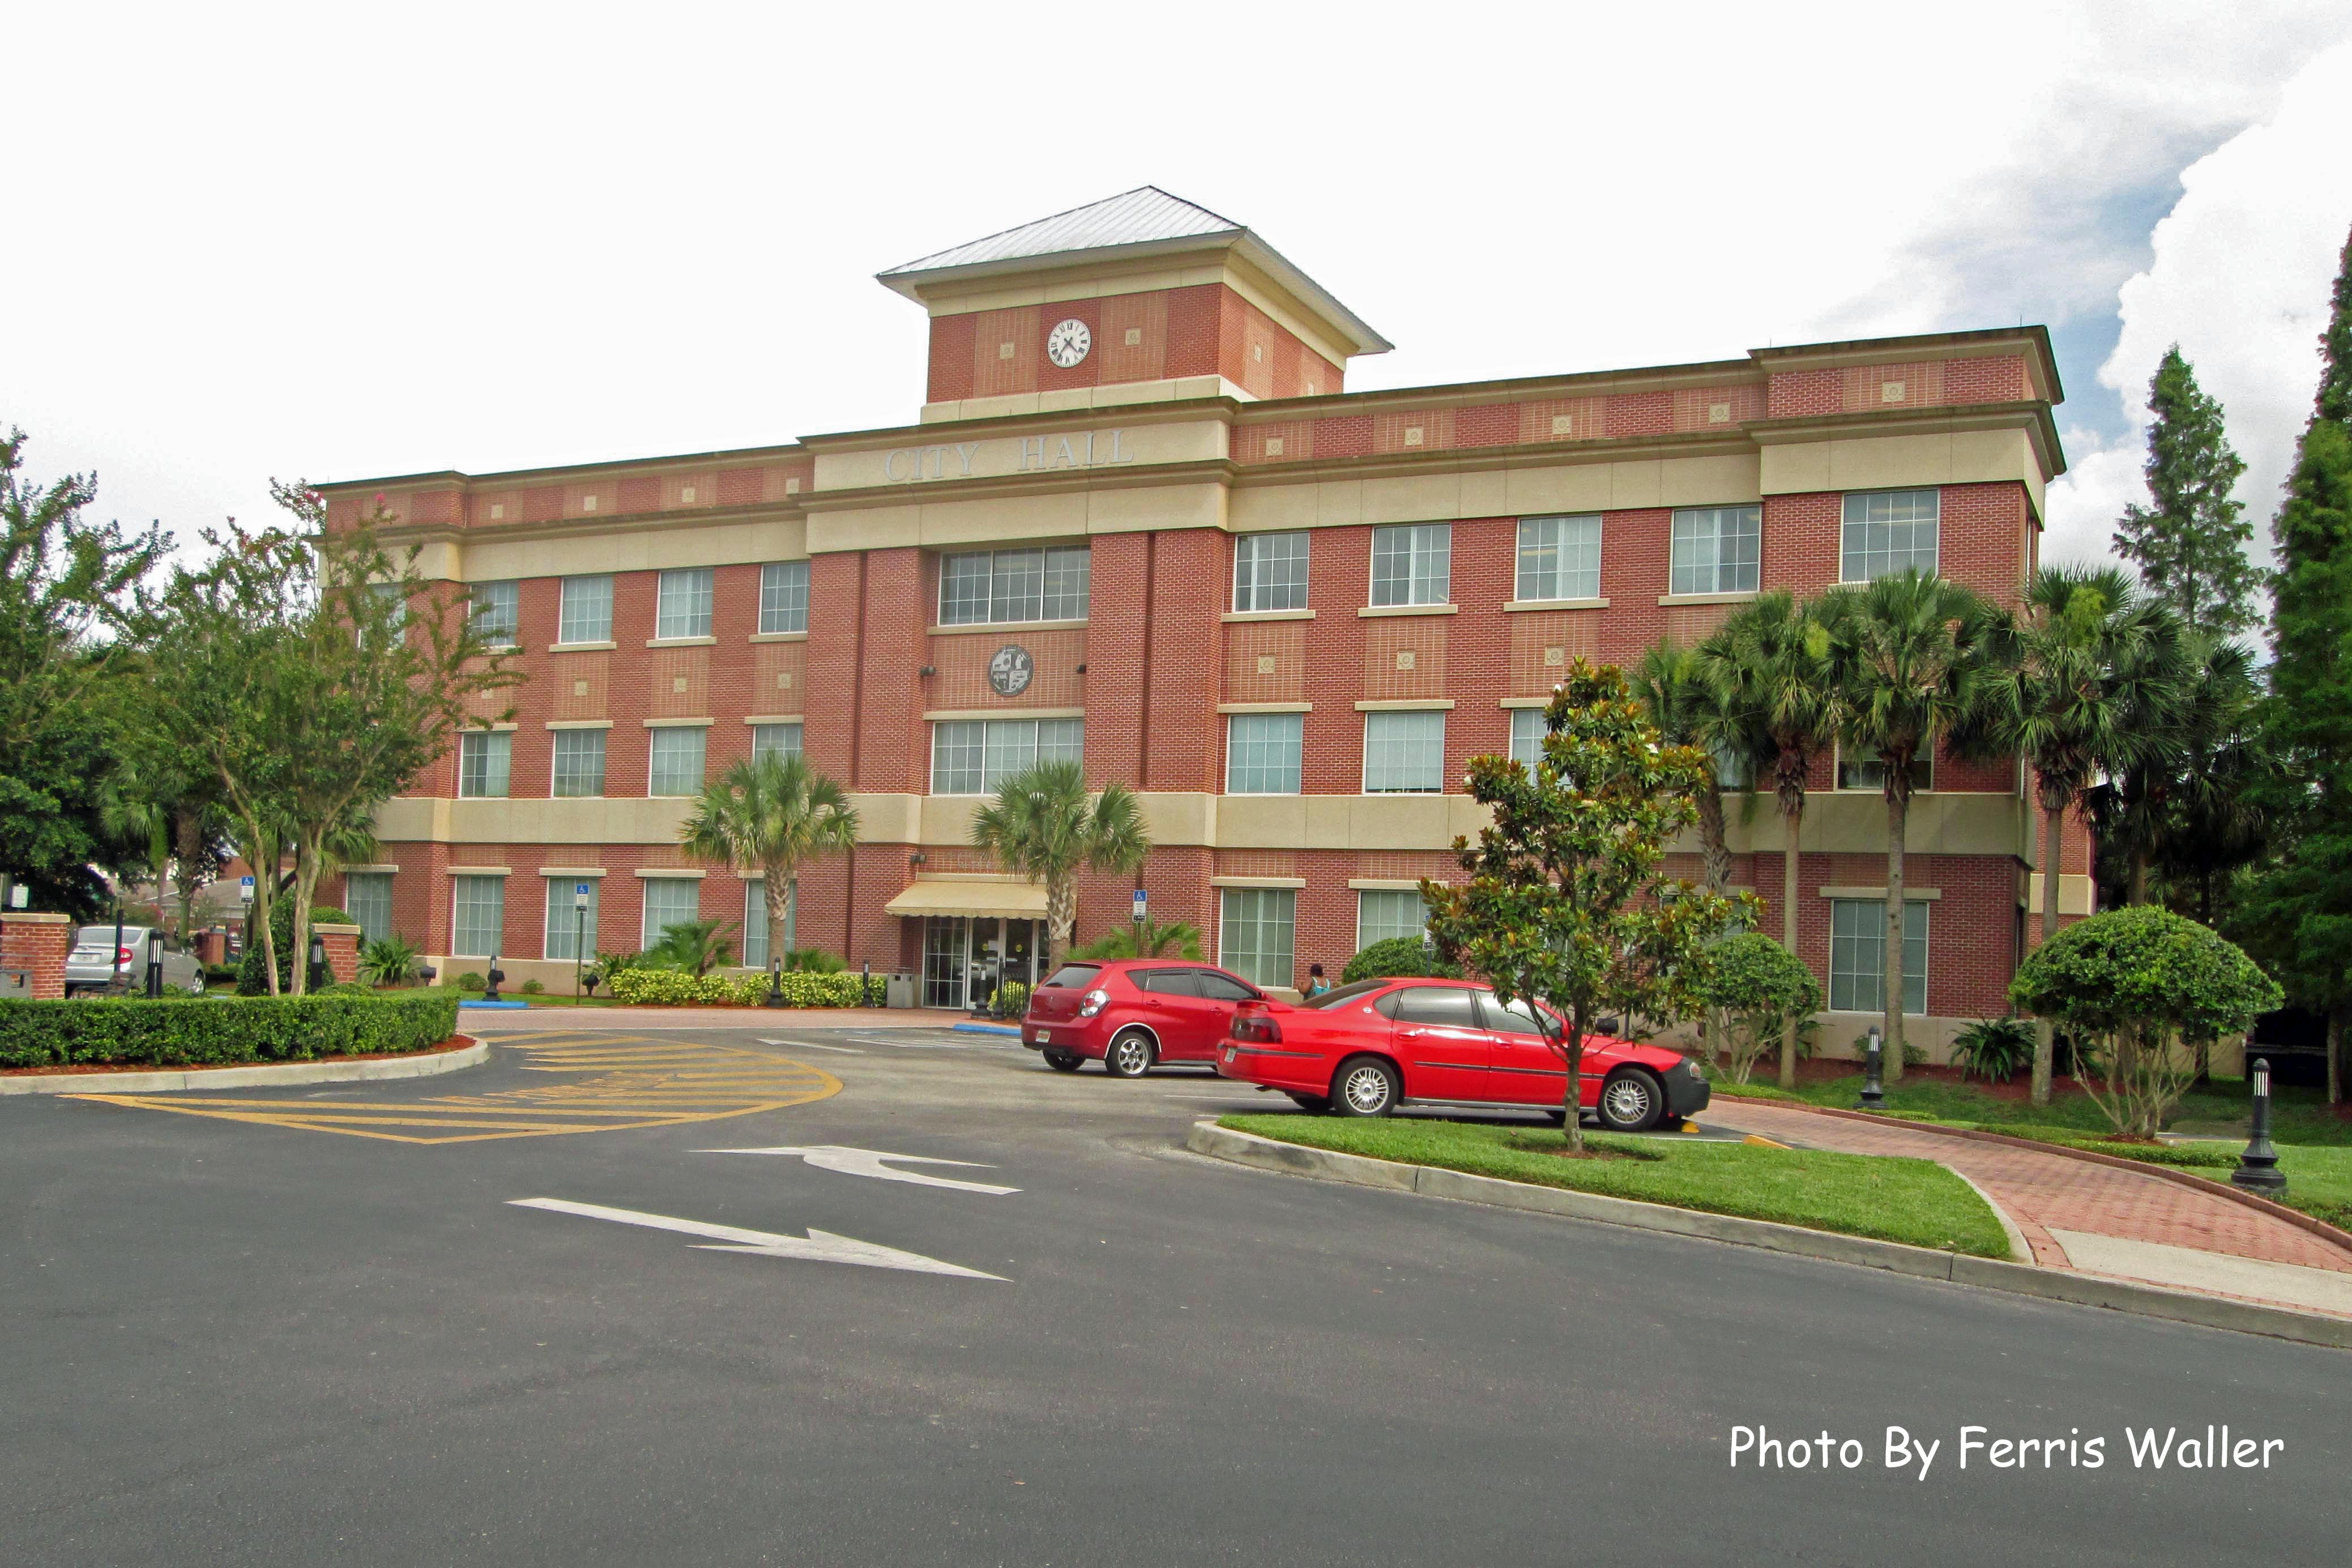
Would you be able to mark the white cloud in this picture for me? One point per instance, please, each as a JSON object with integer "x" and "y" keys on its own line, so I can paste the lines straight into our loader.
{"x": 2239, "y": 280}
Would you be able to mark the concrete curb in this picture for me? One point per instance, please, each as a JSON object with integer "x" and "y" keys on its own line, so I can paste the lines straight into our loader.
{"x": 2017, "y": 1278}
{"x": 2173, "y": 1173}
{"x": 423, "y": 1065}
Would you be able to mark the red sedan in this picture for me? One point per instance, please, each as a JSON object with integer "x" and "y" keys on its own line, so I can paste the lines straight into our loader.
{"x": 1130, "y": 1014}
{"x": 1366, "y": 1048}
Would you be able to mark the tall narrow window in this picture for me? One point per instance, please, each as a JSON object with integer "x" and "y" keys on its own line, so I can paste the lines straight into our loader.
{"x": 367, "y": 898}
{"x": 1887, "y": 531}
{"x": 478, "y": 927}
{"x": 676, "y": 761}
{"x": 578, "y": 764}
{"x": 1528, "y": 735}
{"x": 669, "y": 901}
{"x": 1270, "y": 571}
{"x": 1858, "y": 956}
{"x": 1262, "y": 753}
{"x": 587, "y": 614}
{"x": 1012, "y": 585}
{"x": 1382, "y": 914}
{"x": 485, "y": 763}
{"x": 1560, "y": 557}
{"x": 1404, "y": 753}
{"x": 571, "y": 930}
{"x": 682, "y": 605}
{"x": 1256, "y": 933}
{"x": 783, "y": 596}
{"x": 755, "y": 924}
{"x": 497, "y": 609}
{"x": 1715, "y": 550}
{"x": 775, "y": 740}
{"x": 1412, "y": 563}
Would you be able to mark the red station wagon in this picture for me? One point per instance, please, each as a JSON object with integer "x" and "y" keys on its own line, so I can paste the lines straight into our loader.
{"x": 1131, "y": 1013}
{"x": 1366, "y": 1048}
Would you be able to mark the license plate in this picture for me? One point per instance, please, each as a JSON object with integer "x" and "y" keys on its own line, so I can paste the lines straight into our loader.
{"x": 1230, "y": 1053}
{"x": 1044, "y": 1036}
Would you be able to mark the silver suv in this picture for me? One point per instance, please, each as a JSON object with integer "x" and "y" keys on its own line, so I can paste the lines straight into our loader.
{"x": 95, "y": 961}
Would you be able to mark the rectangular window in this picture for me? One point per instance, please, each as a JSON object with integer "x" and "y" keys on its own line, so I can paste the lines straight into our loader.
{"x": 570, "y": 932}
{"x": 669, "y": 901}
{"x": 676, "y": 766}
{"x": 1560, "y": 557}
{"x": 1858, "y": 956}
{"x": 1715, "y": 550}
{"x": 973, "y": 757}
{"x": 497, "y": 609}
{"x": 1382, "y": 914}
{"x": 480, "y": 920}
{"x": 779, "y": 740}
{"x": 1733, "y": 769}
{"x": 1262, "y": 751}
{"x": 783, "y": 596}
{"x": 578, "y": 764}
{"x": 1528, "y": 735}
{"x": 682, "y": 605}
{"x": 395, "y": 594}
{"x": 1413, "y": 564}
{"x": 367, "y": 898}
{"x": 485, "y": 764}
{"x": 1012, "y": 585}
{"x": 1870, "y": 773}
{"x": 587, "y": 614}
{"x": 1256, "y": 935}
{"x": 1270, "y": 571}
{"x": 755, "y": 924}
{"x": 1889, "y": 530}
{"x": 1404, "y": 753}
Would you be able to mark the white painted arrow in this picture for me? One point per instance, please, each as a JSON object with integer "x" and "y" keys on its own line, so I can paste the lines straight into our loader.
{"x": 816, "y": 1247}
{"x": 868, "y": 1163}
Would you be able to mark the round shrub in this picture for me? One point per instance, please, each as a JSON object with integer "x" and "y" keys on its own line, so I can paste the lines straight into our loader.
{"x": 1397, "y": 956}
{"x": 1753, "y": 988}
{"x": 472, "y": 981}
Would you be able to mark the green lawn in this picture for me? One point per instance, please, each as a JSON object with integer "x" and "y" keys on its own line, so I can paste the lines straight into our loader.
{"x": 1912, "y": 1201}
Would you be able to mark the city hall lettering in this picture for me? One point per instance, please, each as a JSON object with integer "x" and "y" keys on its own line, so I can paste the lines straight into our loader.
{"x": 1035, "y": 454}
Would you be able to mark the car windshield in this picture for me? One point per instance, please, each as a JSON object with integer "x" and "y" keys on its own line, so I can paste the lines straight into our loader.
{"x": 1344, "y": 995}
{"x": 1075, "y": 975}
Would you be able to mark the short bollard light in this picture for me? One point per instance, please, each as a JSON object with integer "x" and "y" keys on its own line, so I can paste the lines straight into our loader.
{"x": 490, "y": 993}
{"x": 318, "y": 961}
{"x": 2258, "y": 1167}
{"x": 1873, "y": 1097}
{"x": 775, "y": 997}
{"x": 154, "y": 962}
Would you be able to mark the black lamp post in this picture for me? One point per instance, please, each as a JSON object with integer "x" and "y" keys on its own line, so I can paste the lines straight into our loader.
{"x": 318, "y": 961}
{"x": 154, "y": 962}
{"x": 2258, "y": 1167}
{"x": 497, "y": 975}
{"x": 1873, "y": 1097}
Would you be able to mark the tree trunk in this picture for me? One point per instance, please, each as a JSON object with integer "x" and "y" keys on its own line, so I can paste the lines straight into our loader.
{"x": 1715, "y": 852}
{"x": 776, "y": 893}
{"x": 1061, "y": 917}
{"x": 2135, "y": 889}
{"x": 1573, "y": 1048}
{"x": 1790, "y": 822}
{"x": 1898, "y": 815}
{"x": 2046, "y": 1042}
{"x": 2335, "y": 1054}
{"x": 306, "y": 885}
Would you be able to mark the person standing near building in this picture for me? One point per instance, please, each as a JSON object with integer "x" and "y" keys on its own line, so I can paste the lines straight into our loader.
{"x": 1316, "y": 984}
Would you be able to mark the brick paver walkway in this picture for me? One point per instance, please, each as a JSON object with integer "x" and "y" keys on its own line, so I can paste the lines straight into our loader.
{"x": 2049, "y": 1192}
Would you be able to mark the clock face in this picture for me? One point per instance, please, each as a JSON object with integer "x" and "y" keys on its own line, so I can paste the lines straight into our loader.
{"x": 1068, "y": 342}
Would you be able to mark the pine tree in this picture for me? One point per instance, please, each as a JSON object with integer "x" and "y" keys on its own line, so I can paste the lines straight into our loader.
{"x": 2190, "y": 546}
{"x": 2335, "y": 345}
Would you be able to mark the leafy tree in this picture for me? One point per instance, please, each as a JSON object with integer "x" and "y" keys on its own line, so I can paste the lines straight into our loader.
{"x": 1042, "y": 824}
{"x": 769, "y": 816}
{"x": 2083, "y": 681}
{"x": 1396, "y": 956}
{"x": 1755, "y": 990}
{"x": 1907, "y": 652}
{"x": 1566, "y": 903}
{"x": 1774, "y": 654}
{"x": 2212, "y": 824}
{"x": 1686, "y": 697}
{"x": 253, "y": 975}
{"x": 1180, "y": 939}
{"x": 693, "y": 948}
{"x": 2133, "y": 986}
{"x": 2191, "y": 544}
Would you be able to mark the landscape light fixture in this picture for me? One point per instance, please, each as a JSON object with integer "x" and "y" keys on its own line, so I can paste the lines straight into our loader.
{"x": 1873, "y": 1097}
{"x": 2258, "y": 1167}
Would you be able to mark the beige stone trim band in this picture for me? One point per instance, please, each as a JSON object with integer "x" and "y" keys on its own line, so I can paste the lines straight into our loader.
{"x": 774, "y": 718}
{"x": 680, "y": 872}
{"x": 582, "y": 647}
{"x": 680, "y": 723}
{"x": 579, "y": 723}
{"x": 1742, "y": 597}
{"x": 952, "y": 715}
{"x": 1257, "y": 882}
{"x": 779, "y": 637}
{"x": 1368, "y": 611}
{"x": 1233, "y": 616}
{"x": 681, "y": 641}
{"x": 1266, "y": 708}
{"x": 481, "y": 871}
{"x": 1383, "y": 884}
{"x": 1521, "y": 606}
{"x": 1526, "y": 702}
{"x": 583, "y": 872}
{"x": 1405, "y": 704}
{"x": 1930, "y": 893}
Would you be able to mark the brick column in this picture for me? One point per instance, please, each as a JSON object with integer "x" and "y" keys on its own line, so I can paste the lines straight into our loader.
{"x": 39, "y": 943}
{"x": 342, "y": 951}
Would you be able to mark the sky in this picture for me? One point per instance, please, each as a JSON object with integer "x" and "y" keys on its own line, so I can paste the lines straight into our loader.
{"x": 338, "y": 243}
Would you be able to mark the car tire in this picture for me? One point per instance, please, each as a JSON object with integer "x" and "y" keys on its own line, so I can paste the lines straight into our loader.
{"x": 1065, "y": 1060}
{"x": 1318, "y": 1104}
{"x": 1130, "y": 1054}
{"x": 1365, "y": 1087}
{"x": 1632, "y": 1101}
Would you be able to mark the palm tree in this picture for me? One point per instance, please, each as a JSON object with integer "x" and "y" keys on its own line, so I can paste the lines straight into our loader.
{"x": 1158, "y": 941}
{"x": 2083, "y": 682}
{"x": 1686, "y": 697}
{"x": 1907, "y": 651}
{"x": 1043, "y": 825}
{"x": 693, "y": 946}
{"x": 1774, "y": 656}
{"x": 769, "y": 815}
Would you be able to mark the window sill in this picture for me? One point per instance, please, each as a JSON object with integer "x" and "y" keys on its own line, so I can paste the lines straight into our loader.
{"x": 579, "y": 723}
{"x": 773, "y": 718}
{"x": 779, "y": 636}
{"x": 1743, "y": 598}
{"x": 1266, "y": 708}
{"x": 1521, "y": 606}
{"x": 671, "y": 870}
{"x": 582, "y": 647}
{"x": 1273, "y": 881}
{"x": 681, "y": 641}
{"x": 959, "y": 714}
{"x": 581, "y": 796}
{"x": 1230, "y": 616}
{"x": 1368, "y": 611}
{"x": 1000, "y": 628}
{"x": 680, "y": 723}
{"x": 1401, "y": 794}
{"x": 1925, "y": 894}
{"x": 1405, "y": 704}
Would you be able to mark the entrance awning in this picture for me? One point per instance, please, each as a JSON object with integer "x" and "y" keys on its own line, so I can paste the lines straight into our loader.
{"x": 1011, "y": 900}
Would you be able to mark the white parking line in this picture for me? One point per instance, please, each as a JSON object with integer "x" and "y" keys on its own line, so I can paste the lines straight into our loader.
{"x": 812, "y": 1045}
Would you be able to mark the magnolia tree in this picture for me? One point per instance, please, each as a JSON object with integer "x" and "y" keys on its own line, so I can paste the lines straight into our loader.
{"x": 2133, "y": 986}
{"x": 1754, "y": 988}
{"x": 1567, "y": 903}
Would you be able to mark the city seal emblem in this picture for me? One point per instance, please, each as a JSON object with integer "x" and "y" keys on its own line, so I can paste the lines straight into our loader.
{"x": 1010, "y": 670}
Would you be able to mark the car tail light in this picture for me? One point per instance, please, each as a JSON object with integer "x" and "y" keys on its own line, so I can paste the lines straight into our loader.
{"x": 1257, "y": 1028}
{"x": 1093, "y": 1002}
{"x": 122, "y": 955}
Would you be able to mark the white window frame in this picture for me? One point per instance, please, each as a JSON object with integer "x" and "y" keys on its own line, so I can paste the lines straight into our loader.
{"x": 496, "y": 747}
{"x": 1562, "y": 538}
{"x": 555, "y": 790}
{"x": 648, "y": 932}
{"x": 1255, "y": 555}
{"x": 771, "y": 737}
{"x": 584, "y": 615}
{"x": 1855, "y": 560}
{"x": 1390, "y": 719}
{"x": 1871, "y": 914}
{"x": 1064, "y": 586}
{"x": 1001, "y": 747}
{"x": 1738, "y": 569}
{"x": 683, "y": 602}
{"x": 755, "y": 908}
{"x": 375, "y": 881}
{"x": 1842, "y": 767}
{"x": 459, "y": 887}
{"x": 1527, "y": 732}
{"x": 497, "y": 612}
{"x": 783, "y": 597}
{"x": 559, "y": 902}
{"x": 1256, "y": 964}
{"x": 1235, "y": 740}
{"x": 1427, "y": 551}
{"x": 1364, "y": 898}
{"x": 653, "y": 761}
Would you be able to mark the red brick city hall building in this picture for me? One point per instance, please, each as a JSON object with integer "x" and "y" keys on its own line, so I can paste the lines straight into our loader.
{"x": 1141, "y": 522}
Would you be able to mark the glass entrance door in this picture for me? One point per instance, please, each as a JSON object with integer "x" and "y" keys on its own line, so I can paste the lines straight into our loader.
{"x": 967, "y": 957}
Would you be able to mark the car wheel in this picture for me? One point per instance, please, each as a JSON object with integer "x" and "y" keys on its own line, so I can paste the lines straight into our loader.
{"x": 196, "y": 986}
{"x": 1129, "y": 1055}
{"x": 1316, "y": 1102}
{"x": 1632, "y": 1101}
{"x": 1063, "y": 1060}
{"x": 1366, "y": 1086}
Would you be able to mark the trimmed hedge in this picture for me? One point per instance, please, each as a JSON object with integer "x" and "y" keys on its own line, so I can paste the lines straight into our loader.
{"x": 672, "y": 988}
{"x": 206, "y": 1031}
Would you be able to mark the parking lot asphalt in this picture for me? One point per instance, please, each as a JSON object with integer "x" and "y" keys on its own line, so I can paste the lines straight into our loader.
{"x": 324, "y": 1326}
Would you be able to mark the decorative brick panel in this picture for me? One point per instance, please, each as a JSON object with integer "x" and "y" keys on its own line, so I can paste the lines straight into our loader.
{"x": 1405, "y": 657}
{"x": 962, "y": 664}
{"x": 1146, "y": 316}
{"x": 680, "y": 682}
{"x": 1248, "y": 647}
{"x": 575, "y": 685}
{"x": 1544, "y": 644}
{"x": 779, "y": 677}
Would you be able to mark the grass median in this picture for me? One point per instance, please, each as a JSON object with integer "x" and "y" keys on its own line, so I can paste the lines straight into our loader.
{"x": 1912, "y": 1201}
